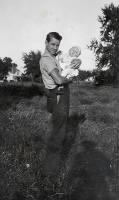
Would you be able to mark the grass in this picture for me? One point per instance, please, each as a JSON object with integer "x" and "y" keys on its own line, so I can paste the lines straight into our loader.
{"x": 24, "y": 129}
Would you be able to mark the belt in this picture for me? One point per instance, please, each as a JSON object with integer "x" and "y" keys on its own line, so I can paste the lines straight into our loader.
{"x": 58, "y": 90}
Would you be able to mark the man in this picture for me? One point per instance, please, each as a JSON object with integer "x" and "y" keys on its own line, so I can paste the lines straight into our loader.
{"x": 52, "y": 79}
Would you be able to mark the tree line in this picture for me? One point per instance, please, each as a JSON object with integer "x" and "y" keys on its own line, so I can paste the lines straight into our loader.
{"x": 105, "y": 49}
{"x": 6, "y": 65}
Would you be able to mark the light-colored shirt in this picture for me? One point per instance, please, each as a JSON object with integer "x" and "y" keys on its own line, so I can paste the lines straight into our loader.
{"x": 47, "y": 64}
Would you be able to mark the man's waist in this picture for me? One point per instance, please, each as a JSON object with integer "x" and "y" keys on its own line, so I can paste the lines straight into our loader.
{"x": 56, "y": 88}
{"x": 59, "y": 90}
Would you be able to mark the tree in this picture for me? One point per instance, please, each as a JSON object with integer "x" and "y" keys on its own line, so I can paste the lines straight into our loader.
{"x": 1, "y": 69}
{"x": 106, "y": 50}
{"x": 5, "y": 67}
{"x": 31, "y": 61}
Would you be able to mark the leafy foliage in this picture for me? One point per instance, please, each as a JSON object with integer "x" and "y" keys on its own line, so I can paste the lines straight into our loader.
{"x": 83, "y": 75}
{"x": 103, "y": 77}
{"x": 31, "y": 61}
{"x": 106, "y": 50}
{"x": 5, "y": 66}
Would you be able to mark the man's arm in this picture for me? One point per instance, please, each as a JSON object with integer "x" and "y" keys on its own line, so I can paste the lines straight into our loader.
{"x": 59, "y": 80}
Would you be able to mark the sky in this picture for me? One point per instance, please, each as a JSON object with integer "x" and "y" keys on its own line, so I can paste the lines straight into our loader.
{"x": 24, "y": 25}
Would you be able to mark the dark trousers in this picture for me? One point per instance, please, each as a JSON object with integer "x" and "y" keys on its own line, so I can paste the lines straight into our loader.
{"x": 60, "y": 113}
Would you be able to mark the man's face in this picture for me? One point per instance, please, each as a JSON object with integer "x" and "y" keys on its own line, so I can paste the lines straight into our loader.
{"x": 52, "y": 46}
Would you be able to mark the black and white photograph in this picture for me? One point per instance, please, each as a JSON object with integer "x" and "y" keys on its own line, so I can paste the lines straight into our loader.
{"x": 59, "y": 99}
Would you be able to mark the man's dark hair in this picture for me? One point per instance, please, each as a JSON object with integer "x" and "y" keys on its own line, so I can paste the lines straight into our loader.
{"x": 53, "y": 35}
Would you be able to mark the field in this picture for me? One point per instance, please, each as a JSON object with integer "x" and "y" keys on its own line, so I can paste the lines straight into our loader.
{"x": 90, "y": 170}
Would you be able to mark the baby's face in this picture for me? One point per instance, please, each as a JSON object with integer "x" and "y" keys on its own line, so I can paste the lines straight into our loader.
{"x": 75, "y": 52}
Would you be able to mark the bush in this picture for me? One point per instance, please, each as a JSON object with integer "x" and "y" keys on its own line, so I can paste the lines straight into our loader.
{"x": 11, "y": 93}
{"x": 22, "y": 89}
{"x": 103, "y": 77}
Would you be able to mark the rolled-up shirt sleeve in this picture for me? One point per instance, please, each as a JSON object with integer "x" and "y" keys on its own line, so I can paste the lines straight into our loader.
{"x": 48, "y": 64}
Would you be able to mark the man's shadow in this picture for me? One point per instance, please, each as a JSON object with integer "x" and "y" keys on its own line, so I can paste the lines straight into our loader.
{"x": 72, "y": 130}
{"x": 90, "y": 175}
{"x": 56, "y": 157}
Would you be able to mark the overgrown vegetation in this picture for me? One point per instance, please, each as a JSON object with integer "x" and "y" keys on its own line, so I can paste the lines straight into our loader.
{"x": 89, "y": 170}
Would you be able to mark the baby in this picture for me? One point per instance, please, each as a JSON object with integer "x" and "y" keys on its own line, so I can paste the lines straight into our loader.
{"x": 68, "y": 62}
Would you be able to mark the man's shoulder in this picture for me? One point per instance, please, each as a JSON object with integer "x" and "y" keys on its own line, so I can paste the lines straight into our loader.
{"x": 46, "y": 54}
{"x": 46, "y": 59}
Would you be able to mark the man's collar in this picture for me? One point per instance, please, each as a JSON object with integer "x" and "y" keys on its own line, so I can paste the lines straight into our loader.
{"x": 47, "y": 54}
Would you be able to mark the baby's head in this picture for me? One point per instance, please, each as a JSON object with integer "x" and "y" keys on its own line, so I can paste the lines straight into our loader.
{"x": 74, "y": 52}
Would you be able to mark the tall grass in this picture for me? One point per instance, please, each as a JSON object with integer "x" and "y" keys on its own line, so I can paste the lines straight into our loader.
{"x": 24, "y": 129}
